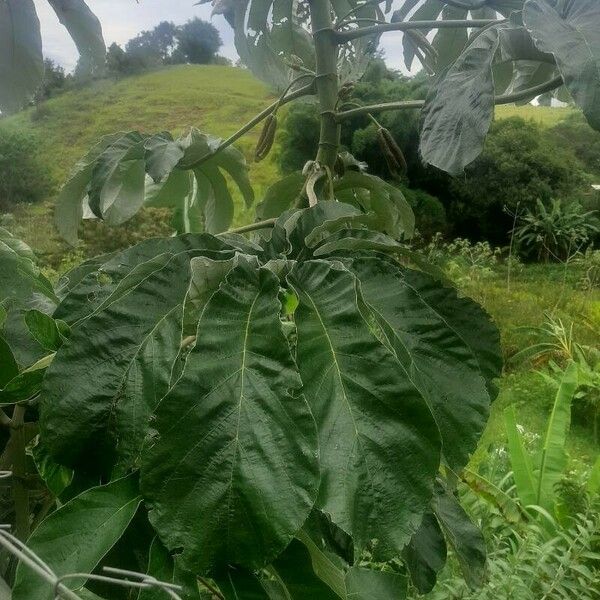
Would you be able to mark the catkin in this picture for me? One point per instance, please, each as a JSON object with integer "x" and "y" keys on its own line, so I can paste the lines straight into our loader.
{"x": 394, "y": 157}
{"x": 266, "y": 139}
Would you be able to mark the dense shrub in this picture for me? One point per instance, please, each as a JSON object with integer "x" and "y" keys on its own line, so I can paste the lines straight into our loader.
{"x": 24, "y": 175}
{"x": 520, "y": 164}
{"x": 430, "y": 214}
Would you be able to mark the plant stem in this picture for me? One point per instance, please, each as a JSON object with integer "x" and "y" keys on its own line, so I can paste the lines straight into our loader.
{"x": 326, "y": 80}
{"x": 252, "y": 227}
{"x": 303, "y": 91}
{"x": 548, "y": 86}
{"x": 19, "y": 470}
{"x": 342, "y": 37}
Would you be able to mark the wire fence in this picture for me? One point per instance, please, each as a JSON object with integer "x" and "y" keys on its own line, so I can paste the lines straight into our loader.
{"x": 113, "y": 576}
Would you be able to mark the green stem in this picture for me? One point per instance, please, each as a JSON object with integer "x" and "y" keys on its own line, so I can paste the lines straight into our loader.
{"x": 19, "y": 473}
{"x": 303, "y": 91}
{"x": 343, "y": 37}
{"x": 326, "y": 80}
{"x": 548, "y": 86}
{"x": 252, "y": 227}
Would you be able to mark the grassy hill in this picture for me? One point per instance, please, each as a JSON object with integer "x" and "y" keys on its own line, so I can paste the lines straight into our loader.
{"x": 216, "y": 99}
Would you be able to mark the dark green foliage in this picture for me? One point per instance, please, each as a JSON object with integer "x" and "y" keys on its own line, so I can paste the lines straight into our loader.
{"x": 299, "y": 134}
{"x": 518, "y": 166}
{"x": 430, "y": 214}
{"x": 53, "y": 83}
{"x": 198, "y": 41}
{"x": 24, "y": 173}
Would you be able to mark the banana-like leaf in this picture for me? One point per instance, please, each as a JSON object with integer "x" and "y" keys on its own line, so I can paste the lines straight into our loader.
{"x": 553, "y": 457}
{"x": 8, "y": 364}
{"x": 21, "y": 61}
{"x": 233, "y": 471}
{"x": 375, "y": 481}
{"x": 75, "y": 538}
{"x": 85, "y": 30}
{"x": 459, "y": 108}
{"x": 572, "y": 34}
{"x": 439, "y": 363}
{"x": 520, "y": 460}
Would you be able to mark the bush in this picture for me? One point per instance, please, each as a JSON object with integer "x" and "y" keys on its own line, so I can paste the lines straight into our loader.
{"x": 299, "y": 135}
{"x": 430, "y": 214}
{"x": 24, "y": 176}
{"x": 520, "y": 164}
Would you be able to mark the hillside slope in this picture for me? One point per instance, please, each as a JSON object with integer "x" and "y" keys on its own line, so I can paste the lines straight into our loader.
{"x": 215, "y": 99}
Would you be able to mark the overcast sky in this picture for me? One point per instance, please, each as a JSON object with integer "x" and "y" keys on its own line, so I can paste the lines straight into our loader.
{"x": 123, "y": 19}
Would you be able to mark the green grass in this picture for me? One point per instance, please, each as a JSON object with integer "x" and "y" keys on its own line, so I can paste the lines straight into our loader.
{"x": 545, "y": 116}
{"x": 215, "y": 99}
{"x": 535, "y": 290}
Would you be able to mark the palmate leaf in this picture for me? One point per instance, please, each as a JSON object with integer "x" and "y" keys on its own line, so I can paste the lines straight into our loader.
{"x": 128, "y": 170}
{"x": 75, "y": 537}
{"x": 572, "y": 34}
{"x": 272, "y": 34}
{"x": 439, "y": 363}
{"x": 236, "y": 490}
{"x": 21, "y": 61}
{"x": 374, "y": 427}
{"x": 458, "y": 110}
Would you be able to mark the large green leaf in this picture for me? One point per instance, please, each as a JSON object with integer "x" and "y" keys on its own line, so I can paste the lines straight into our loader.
{"x": 458, "y": 110}
{"x": 461, "y": 534}
{"x": 572, "y": 35}
{"x": 280, "y": 196}
{"x": 105, "y": 382}
{"x": 85, "y": 30}
{"x": 437, "y": 360}
{"x": 425, "y": 555}
{"x": 161, "y": 566}
{"x": 240, "y": 584}
{"x": 553, "y": 456}
{"x": 379, "y": 442}
{"x": 367, "y": 584}
{"x": 87, "y": 291}
{"x": 450, "y": 42}
{"x": 233, "y": 471}
{"x": 76, "y": 537}
{"x": 295, "y": 572}
{"x": 21, "y": 62}
{"x": 8, "y": 365}
{"x": 395, "y": 216}
{"x": 68, "y": 209}
{"x": 118, "y": 180}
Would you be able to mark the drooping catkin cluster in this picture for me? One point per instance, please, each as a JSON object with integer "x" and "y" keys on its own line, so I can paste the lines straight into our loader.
{"x": 394, "y": 157}
{"x": 267, "y": 138}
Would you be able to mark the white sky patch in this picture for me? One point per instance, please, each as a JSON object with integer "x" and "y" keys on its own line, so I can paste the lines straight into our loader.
{"x": 124, "y": 19}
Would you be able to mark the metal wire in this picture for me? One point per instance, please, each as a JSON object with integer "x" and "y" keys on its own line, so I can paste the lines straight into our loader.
{"x": 61, "y": 592}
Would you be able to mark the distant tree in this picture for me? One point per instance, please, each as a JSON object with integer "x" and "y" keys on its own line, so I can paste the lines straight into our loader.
{"x": 116, "y": 60}
{"x": 198, "y": 41}
{"x": 54, "y": 81}
{"x": 155, "y": 45}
